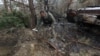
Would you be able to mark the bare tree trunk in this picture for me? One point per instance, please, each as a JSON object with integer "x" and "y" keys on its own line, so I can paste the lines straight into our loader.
{"x": 5, "y": 4}
{"x": 23, "y": 1}
{"x": 10, "y": 5}
{"x": 46, "y": 6}
{"x": 32, "y": 10}
{"x": 70, "y": 2}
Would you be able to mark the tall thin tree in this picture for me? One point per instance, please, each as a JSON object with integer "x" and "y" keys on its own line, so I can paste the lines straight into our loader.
{"x": 33, "y": 16}
{"x": 5, "y": 4}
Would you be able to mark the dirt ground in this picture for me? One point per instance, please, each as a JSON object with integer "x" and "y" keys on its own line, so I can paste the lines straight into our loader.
{"x": 25, "y": 42}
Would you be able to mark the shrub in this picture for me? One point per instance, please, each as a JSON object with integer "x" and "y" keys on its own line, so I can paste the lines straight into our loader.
{"x": 13, "y": 19}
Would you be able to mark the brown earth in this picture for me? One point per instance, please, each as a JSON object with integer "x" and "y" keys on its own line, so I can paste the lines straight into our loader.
{"x": 25, "y": 42}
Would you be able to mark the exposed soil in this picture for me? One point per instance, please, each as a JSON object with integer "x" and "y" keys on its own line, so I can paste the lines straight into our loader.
{"x": 25, "y": 42}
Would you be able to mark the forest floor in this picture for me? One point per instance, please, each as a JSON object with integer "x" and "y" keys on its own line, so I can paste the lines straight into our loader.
{"x": 69, "y": 42}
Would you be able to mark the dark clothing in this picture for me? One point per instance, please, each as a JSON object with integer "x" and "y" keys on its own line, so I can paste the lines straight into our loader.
{"x": 47, "y": 21}
{"x": 70, "y": 19}
{"x": 70, "y": 16}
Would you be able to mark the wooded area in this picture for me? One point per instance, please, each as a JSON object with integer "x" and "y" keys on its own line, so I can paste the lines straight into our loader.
{"x": 75, "y": 30}
{"x": 32, "y": 7}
